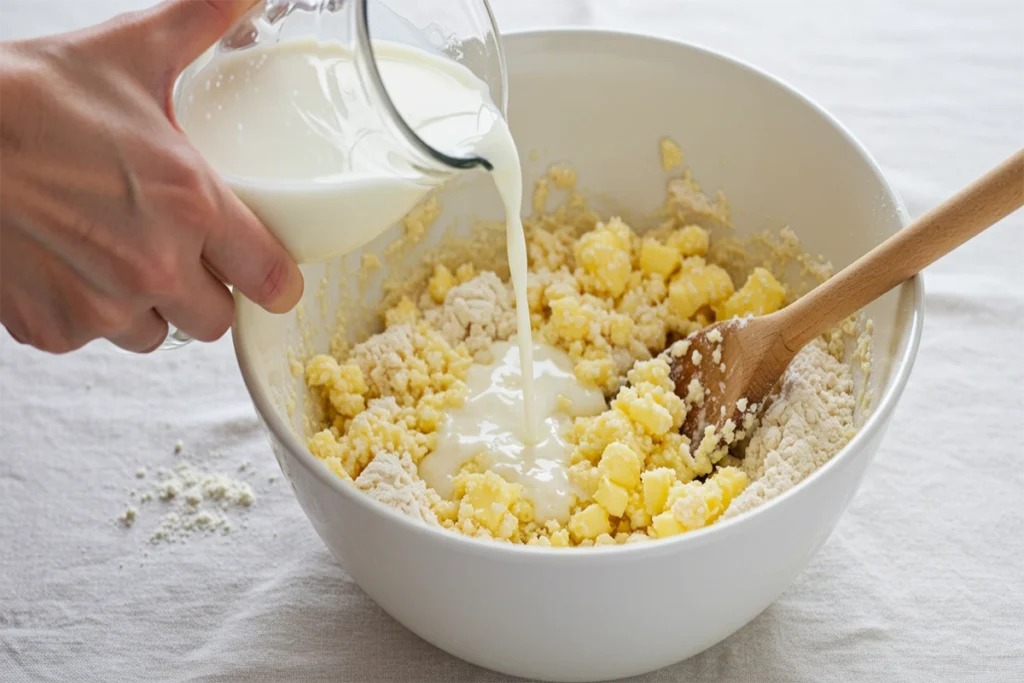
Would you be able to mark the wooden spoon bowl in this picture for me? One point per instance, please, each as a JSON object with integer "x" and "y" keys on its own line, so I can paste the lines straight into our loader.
{"x": 738, "y": 362}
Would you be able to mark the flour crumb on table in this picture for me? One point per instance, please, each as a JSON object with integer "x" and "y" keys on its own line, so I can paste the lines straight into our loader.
{"x": 127, "y": 517}
{"x": 190, "y": 500}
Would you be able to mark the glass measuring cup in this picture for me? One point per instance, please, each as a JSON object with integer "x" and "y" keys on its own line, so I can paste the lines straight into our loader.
{"x": 375, "y": 130}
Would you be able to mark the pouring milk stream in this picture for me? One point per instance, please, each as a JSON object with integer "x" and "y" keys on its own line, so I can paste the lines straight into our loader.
{"x": 272, "y": 120}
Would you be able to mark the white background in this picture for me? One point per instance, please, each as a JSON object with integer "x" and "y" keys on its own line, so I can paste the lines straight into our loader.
{"x": 923, "y": 581}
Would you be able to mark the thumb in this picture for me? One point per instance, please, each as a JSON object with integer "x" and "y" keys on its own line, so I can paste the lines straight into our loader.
{"x": 189, "y": 27}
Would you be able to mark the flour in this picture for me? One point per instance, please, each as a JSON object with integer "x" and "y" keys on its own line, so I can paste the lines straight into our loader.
{"x": 188, "y": 489}
{"x": 194, "y": 500}
{"x": 381, "y": 358}
{"x": 128, "y": 516}
{"x": 392, "y": 479}
{"x": 807, "y": 423}
{"x": 478, "y": 312}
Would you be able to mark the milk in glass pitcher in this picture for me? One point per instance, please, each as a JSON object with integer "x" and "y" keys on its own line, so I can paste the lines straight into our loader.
{"x": 331, "y": 119}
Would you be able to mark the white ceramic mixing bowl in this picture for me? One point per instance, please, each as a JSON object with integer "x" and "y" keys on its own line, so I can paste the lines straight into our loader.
{"x": 603, "y": 100}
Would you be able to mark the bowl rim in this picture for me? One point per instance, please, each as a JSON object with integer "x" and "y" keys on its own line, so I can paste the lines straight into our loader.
{"x": 874, "y": 425}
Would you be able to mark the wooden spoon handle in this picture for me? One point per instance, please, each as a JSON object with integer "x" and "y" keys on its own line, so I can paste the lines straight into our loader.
{"x": 980, "y": 205}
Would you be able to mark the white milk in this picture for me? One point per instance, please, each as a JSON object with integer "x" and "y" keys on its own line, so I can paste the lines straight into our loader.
{"x": 487, "y": 426}
{"x": 287, "y": 125}
{"x": 326, "y": 178}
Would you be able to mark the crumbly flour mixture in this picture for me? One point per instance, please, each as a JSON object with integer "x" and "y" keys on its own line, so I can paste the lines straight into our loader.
{"x": 619, "y": 304}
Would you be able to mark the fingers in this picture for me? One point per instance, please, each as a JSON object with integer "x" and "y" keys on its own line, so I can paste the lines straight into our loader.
{"x": 244, "y": 253}
{"x": 188, "y": 27}
{"x": 40, "y": 299}
{"x": 145, "y": 333}
{"x": 204, "y": 311}
{"x": 47, "y": 304}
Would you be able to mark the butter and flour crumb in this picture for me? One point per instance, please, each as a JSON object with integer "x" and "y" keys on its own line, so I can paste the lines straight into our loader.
{"x": 620, "y": 305}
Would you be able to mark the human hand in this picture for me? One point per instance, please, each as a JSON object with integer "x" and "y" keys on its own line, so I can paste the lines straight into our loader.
{"x": 111, "y": 223}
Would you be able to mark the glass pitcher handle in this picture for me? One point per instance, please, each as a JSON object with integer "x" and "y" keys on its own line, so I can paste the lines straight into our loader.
{"x": 175, "y": 340}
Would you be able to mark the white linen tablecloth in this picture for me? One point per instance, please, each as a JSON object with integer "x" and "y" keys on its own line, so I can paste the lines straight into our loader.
{"x": 922, "y": 581}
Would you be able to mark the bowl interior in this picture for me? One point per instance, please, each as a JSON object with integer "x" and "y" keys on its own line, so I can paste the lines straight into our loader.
{"x": 602, "y": 101}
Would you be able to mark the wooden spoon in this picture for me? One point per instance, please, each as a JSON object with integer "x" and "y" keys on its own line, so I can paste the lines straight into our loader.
{"x": 756, "y": 351}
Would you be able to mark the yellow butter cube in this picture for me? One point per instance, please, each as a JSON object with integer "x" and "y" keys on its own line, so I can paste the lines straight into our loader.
{"x": 338, "y": 468}
{"x": 690, "y": 265}
{"x": 645, "y": 411}
{"x": 691, "y": 240}
{"x": 589, "y": 523}
{"x": 343, "y": 385}
{"x": 523, "y": 510}
{"x": 604, "y": 254}
{"x": 612, "y": 497}
{"x": 351, "y": 379}
{"x": 347, "y": 404}
{"x": 322, "y": 370}
{"x": 760, "y": 294}
{"x": 440, "y": 282}
{"x": 684, "y": 298}
{"x": 446, "y": 510}
{"x": 428, "y": 418}
{"x": 697, "y": 286}
{"x": 665, "y": 525}
{"x": 324, "y": 446}
{"x": 657, "y": 483}
{"x": 620, "y": 464}
{"x": 486, "y": 498}
{"x": 654, "y": 372}
{"x": 714, "y": 500}
{"x": 560, "y": 539}
{"x": 593, "y": 435}
{"x": 635, "y": 516}
{"x": 620, "y": 329}
{"x": 598, "y": 372}
{"x": 658, "y": 259}
{"x": 688, "y": 505}
{"x": 717, "y": 283}
{"x": 569, "y": 319}
{"x": 732, "y": 481}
